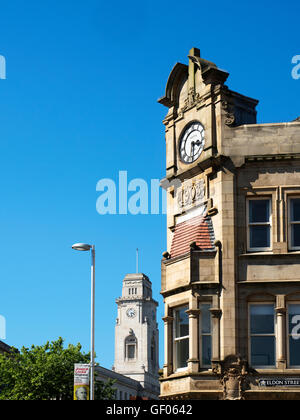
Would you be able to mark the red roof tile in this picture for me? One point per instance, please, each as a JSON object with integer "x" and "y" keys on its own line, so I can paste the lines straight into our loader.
{"x": 198, "y": 229}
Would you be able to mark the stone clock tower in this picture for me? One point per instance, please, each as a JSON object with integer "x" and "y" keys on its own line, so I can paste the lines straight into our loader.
{"x": 230, "y": 273}
{"x": 136, "y": 333}
{"x": 199, "y": 265}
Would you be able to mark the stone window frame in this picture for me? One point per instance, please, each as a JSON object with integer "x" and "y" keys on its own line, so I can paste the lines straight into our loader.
{"x": 253, "y": 197}
{"x": 263, "y": 302}
{"x": 131, "y": 341}
{"x": 289, "y": 198}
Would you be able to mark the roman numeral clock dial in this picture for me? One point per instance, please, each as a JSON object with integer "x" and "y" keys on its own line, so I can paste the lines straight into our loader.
{"x": 192, "y": 143}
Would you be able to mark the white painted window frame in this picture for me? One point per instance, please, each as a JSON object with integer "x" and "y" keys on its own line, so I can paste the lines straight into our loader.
{"x": 269, "y": 223}
{"x": 178, "y": 339}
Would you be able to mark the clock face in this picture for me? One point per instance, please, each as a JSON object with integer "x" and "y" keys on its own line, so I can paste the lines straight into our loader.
{"x": 192, "y": 143}
{"x": 131, "y": 313}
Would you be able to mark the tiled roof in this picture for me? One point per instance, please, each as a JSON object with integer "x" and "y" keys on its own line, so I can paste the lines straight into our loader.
{"x": 198, "y": 229}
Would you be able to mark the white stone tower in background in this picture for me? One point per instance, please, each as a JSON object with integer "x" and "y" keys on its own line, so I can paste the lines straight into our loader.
{"x": 136, "y": 333}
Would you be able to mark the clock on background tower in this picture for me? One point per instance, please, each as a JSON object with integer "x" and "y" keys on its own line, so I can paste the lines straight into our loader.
{"x": 131, "y": 313}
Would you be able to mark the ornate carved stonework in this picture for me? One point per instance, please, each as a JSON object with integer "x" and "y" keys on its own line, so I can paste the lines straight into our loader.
{"x": 233, "y": 373}
{"x": 192, "y": 99}
{"x": 191, "y": 194}
{"x": 229, "y": 117}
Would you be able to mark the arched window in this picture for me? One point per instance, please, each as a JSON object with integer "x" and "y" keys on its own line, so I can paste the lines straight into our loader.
{"x": 131, "y": 347}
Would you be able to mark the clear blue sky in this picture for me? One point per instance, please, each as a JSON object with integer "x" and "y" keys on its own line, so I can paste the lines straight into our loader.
{"x": 80, "y": 104}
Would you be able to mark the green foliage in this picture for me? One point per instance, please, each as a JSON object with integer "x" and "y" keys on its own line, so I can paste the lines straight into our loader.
{"x": 44, "y": 372}
{"x": 105, "y": 390}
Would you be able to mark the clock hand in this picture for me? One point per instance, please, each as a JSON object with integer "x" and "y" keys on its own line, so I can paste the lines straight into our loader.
{"x": 193, "y": 146}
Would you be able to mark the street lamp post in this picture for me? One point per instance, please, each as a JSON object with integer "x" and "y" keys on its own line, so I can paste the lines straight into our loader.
{"x": 87, "y": 247}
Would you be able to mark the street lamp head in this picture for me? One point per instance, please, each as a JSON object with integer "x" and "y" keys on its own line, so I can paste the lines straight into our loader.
{"x": 82, "y": 247}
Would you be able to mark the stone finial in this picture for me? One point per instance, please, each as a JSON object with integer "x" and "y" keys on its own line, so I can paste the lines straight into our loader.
{"x": 195, "y": 52}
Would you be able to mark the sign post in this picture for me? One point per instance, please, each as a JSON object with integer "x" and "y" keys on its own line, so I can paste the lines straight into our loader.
{"x": 81, "y": 381}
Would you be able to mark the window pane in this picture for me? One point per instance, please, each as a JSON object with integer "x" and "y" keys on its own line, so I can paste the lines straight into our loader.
{"x": 182, "y": 353}
{"x": 259, "y": 211}
{"x": 131, "y": 351}
{"x": 295, "y": 210}
{"x": 259, "y": 236}
{"x": 205, "y": 319}
{"x": 182, "y": 323}
{"x": 294, "y": 352}
{"x": 294, "y": 319}
{"x": 262, "y": 351}
{"x": 206, "y": 350}
{"x": 262, "y": 319}
{"x": 296, "y": 235}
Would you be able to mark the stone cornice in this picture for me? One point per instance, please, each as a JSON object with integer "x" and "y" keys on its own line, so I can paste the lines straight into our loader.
{"x": 135, "y": 299}
{"x": 272, "y": 158}
{"x": 194, "y": 286}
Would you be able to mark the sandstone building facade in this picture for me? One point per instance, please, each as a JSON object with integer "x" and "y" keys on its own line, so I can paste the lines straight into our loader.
{"x": 231, "y": 272}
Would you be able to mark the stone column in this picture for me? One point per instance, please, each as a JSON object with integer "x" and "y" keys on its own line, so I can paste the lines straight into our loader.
{"x": 193, "y": 361}
{"x": 281, "y": 331}
{"x": 216, "y": 315}
{"x": 168, "y": 350}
